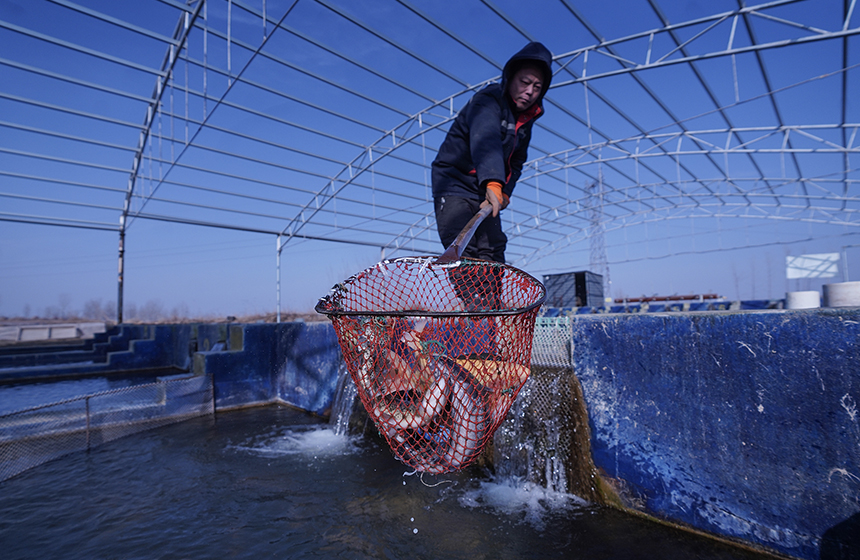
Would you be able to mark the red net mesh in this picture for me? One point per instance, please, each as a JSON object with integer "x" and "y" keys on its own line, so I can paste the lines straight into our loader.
{"x": 438, "y": 352}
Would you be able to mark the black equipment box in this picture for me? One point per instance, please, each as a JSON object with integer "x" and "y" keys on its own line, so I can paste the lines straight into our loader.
{"x": 574, "y": 289}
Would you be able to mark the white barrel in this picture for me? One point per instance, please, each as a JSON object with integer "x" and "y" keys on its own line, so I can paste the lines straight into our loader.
{"x": 843, "y": 294}
{"x": 802, "y": 300}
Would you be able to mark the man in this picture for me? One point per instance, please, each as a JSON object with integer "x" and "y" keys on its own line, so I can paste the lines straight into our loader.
{"x": 482, "y": 156}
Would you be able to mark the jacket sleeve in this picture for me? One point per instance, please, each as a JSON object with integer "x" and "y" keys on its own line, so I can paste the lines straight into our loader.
{"x": 485, "y": 139}
{"x": 518, "y": 158}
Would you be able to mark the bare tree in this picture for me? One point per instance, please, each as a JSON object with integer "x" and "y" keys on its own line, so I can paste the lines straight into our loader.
{"x": 110, "y": 311}
{"x": 92, "y": 309}
{"x": 64, "y": 301}
{"x": 152, "y": 311}
{"x": 179, "y": 312}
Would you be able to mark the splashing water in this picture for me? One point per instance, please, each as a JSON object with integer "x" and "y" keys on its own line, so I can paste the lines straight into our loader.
{"x": 545, "y": 438}
{"x": 343, "y": 406}
{"x": 531, "y": 502}
{"x": 319, "y": 440}
{"x": 314, "y": 442}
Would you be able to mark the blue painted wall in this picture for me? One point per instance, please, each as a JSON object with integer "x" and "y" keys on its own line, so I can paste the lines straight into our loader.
{"x": 297, "y": 363}
{"x": 741, "y": 424}
{"x": 309, "y": 364}
{"x": 243, "y": 368}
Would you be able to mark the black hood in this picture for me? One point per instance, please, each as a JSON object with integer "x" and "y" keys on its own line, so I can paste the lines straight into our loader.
{"x": 535, "y": 53}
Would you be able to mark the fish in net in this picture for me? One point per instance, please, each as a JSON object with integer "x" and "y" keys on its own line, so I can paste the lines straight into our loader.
{"x": 437, "y": 350}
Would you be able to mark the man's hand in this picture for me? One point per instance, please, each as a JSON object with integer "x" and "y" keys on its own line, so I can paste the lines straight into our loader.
{"x": 496, "y": 198}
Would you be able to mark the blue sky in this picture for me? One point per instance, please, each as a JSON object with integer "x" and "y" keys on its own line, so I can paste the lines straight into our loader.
{"x": 300, "y": 123}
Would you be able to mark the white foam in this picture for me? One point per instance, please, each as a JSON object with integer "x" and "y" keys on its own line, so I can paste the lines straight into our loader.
{"x": 513, "y": 497}
{"x": 315, "y": 442}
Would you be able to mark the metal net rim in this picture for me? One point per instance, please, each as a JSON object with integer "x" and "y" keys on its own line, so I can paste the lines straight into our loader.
{"x": 428, "y": 261}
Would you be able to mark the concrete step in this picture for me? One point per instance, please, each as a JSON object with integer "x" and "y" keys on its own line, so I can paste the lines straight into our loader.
{"x": 126, "y": 348}
{"x": 93, "y": 350}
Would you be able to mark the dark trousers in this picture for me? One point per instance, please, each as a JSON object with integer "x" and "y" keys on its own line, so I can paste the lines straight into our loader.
{"x": 479, "y": 287}
{"x": 452, "y": 215}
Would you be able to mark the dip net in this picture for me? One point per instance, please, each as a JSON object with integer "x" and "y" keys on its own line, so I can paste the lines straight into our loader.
{"x": 438, "y": 352}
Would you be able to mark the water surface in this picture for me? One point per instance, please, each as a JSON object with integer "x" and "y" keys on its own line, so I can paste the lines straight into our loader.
{"x": 273, "y": 482}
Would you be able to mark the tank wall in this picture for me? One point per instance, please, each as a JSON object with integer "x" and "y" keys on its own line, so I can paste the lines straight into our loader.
{"x": 308, "y": 366}
{"x": 741, "y": 424}
{"x": 296, "y": 363}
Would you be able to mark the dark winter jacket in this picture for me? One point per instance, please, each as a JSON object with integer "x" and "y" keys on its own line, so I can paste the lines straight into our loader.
{"x": 486, "y": 142}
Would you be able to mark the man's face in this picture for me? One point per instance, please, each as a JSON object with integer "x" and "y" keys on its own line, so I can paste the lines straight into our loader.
{"x": 525, "y": 87}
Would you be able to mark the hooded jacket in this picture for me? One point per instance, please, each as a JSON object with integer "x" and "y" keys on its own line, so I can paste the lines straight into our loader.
{"x": 488, "y": 140}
